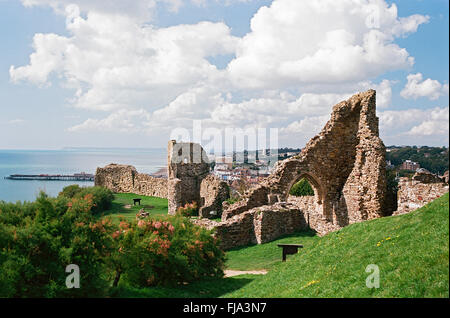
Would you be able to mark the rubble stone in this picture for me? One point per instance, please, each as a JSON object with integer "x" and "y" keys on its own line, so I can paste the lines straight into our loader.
{"x": 423, "y": 188}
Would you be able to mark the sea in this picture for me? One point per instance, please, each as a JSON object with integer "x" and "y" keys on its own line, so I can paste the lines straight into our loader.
{"x": 67, "y": 161}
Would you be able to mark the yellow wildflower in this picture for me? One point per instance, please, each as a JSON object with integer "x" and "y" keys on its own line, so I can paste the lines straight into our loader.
{"x": 310, "y": 283}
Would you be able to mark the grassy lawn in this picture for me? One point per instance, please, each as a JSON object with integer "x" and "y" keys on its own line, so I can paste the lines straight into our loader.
{"x": 155, "y": 206}
{"x": 265, "y": 256}
{"x": 411, "y": 251}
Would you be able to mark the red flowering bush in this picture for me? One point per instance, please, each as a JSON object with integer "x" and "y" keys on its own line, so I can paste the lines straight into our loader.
{"x": 164, "y": 252}
{"x": 189, "y": 209}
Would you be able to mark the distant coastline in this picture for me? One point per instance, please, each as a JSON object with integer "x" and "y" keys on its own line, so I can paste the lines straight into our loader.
{"x": 67, "y": 161}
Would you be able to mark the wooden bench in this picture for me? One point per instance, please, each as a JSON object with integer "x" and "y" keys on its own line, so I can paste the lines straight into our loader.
{"x": 136, "y": 200}
{"x": 289, "y": 249}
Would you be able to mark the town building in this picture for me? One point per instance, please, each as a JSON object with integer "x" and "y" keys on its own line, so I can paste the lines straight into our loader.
{"x": 410, "y": 165}
{"x": 224, "y": 161}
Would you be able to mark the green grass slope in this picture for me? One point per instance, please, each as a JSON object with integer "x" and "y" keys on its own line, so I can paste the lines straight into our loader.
{"x": 411, "y": 251}
{"x": 155, "y": 206}
{"x": 266, "y": 256}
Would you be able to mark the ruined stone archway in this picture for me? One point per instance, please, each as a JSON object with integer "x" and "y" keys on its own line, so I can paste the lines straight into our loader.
{"x": 290, "y": 171}
{"x": 310, "y": 204}
{"x": 345, "y": 162}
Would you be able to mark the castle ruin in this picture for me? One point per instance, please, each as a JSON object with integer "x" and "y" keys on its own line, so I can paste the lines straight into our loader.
{"x": 345, "y": 165}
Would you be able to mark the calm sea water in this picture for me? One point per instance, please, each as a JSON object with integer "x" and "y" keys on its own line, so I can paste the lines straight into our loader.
{"x": 66, "y": 161}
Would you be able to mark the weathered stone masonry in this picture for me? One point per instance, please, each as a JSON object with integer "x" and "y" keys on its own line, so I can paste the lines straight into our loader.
{"x": 188, "y": 180}
{"x": 345, "y": 164}
{"x": 213, "y": 192}
{"x": 258, "y": 225}
{"x": 423, "y": 188}
{"x": 125, "y": 179}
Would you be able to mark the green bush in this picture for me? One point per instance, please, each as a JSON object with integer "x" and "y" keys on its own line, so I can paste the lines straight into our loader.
{"x": 301, "y": 188}
{"x": 154, "y": 252}
{"x": 16, "y": 213}
{"x": 51, "y": 234}
{"x": 102, "y": 197}
{"x": 39, "y": 239}
{"x": 70, "y": 191}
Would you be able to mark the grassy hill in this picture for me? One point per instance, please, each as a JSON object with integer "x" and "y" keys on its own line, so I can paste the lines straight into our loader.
{"x": 411, "y": 251}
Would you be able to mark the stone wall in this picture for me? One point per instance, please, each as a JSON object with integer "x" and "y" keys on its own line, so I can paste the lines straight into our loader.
{"x": 125, "y": 179}
{"x": 190, "y": 181}
{"x": 273, "y": 221}
{"x": 423, "y": 188}
{"x": 304, "y": 203}
{"x": 345, "y": 164}
{"x": 259, "y": 196}
{"x": 258, "y": 225}
{"x": 213, "y": 192}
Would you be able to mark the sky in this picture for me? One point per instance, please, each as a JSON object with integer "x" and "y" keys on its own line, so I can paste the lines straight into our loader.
{"x": 91, "y": 73}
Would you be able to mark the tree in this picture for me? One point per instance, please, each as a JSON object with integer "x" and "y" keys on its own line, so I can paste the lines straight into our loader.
{"x": 301, "y": 188}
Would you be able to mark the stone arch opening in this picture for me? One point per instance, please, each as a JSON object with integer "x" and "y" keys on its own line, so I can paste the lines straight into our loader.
{"x": 302, "y": 188}
{"x": 312, "y": 203}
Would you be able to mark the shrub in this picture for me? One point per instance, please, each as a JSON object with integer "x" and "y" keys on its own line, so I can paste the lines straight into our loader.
{"x": 157, "y": 252}
{"x": 54, "y": 233}
{"x": 301, "y": 188}
{"x": 188, "y": 210}
{"x": 70, "y": 191}
{"x": 101, "y": 197}
{"x": 16, "y": 213}
{"x": 39, "y": 239}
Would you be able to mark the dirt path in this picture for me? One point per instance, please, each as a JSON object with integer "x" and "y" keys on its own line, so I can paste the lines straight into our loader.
{"x": 231, "y": 273}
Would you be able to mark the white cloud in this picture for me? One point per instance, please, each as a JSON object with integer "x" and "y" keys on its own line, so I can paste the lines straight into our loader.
{"x": 48, "y": 56}
{"x": 293, "y": 43}
{"x": 416, "y": 123}
{"x": 384, "y": 94}
{"x": 285, "y": 73}
{"x": 274, "y": 109}
{"x": 114, "y": 63}
{"x": 303, "y": 130}
{"x": 16, "y": 121}
{"x": 435, "y": 124}
{"x": 418, "y": 87}
{"x": 123, "y": 120}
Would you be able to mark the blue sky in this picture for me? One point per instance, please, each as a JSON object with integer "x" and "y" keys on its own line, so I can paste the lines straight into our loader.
{"x": 108, "y": 76}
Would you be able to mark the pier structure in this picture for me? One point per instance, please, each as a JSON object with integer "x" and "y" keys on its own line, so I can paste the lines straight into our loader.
{"x": 53, "y": 177}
